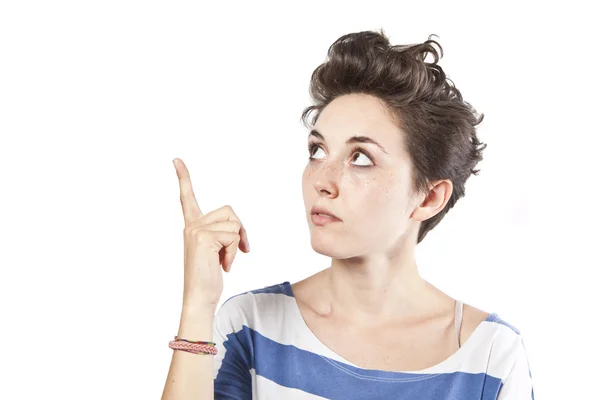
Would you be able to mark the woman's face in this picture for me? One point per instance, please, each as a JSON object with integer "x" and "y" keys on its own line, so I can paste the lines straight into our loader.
{"x": 367, "y": 188}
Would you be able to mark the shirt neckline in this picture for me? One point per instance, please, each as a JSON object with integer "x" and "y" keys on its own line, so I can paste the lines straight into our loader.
{"x": 449, "y": 364}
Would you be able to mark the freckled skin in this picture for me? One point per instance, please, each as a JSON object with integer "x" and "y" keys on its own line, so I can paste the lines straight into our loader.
{"x": 374, "y": 202}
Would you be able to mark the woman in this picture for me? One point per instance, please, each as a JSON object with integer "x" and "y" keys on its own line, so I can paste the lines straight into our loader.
{"x": 391, "y": 144}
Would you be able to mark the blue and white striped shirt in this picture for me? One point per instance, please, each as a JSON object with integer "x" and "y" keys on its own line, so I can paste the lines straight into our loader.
{"x": 266, "y": 351}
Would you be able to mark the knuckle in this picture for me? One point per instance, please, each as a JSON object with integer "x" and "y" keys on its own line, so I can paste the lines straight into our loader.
{"x": 233, "y": 236}
{"x": 192, "y": 230}
{"x": 201, "y": 236}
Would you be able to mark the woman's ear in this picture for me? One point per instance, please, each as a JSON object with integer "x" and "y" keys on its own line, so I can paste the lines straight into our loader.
{"x": 434, "y": 201}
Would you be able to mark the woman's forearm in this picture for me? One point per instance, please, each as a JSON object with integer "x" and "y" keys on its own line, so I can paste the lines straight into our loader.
{"x": 191, "y": 375}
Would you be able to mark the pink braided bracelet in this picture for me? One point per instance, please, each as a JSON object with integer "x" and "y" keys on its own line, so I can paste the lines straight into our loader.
{"x": 196, "y": 347}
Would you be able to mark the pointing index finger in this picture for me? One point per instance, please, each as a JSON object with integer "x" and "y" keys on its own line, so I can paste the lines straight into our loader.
{"x": 191, "y": 211}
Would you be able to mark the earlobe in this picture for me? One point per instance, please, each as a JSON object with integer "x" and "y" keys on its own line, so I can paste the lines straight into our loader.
{"x": 417, "y": 214}
{"x": 420, "y": 211}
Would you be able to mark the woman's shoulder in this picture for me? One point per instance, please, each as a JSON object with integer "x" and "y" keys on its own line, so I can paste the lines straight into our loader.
{"x": 262, "y": 294}
{"x": 262, "y": 314}
{"x": 475, "y": 318}
{"x": 249, "y": 306}
{"x": 499, "y": 339}
{"x": 472, "y": 318}
{"x": 496, "y": 341}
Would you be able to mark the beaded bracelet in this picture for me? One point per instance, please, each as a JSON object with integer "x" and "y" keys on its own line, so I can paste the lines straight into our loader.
{"x": 193, "y": 346}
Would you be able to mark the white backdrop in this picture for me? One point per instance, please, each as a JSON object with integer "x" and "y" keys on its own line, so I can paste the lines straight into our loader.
{"x": 97, "y": 98}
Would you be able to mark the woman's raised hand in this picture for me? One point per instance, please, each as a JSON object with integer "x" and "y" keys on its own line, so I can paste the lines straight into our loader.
{"x": 210, "y": 243}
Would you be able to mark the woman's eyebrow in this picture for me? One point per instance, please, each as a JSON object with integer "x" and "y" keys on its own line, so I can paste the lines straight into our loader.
{"x": 353, "y": 139}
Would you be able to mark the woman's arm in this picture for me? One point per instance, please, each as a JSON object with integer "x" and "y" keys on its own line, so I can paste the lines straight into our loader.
{"x": 191, "y": 375}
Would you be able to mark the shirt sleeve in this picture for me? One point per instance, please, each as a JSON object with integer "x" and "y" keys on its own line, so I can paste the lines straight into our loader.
{"x": 518, "y": 384}
{"x": 231, "y": 368}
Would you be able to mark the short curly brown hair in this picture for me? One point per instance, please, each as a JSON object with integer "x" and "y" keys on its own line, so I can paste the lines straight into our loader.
{"x": 440, "y": 126}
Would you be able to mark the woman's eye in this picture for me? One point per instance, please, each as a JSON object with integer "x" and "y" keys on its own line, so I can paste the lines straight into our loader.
{"x": 367, "y": 158}
{"x": 311, "y": 150}
{"x": 356, "y": 153}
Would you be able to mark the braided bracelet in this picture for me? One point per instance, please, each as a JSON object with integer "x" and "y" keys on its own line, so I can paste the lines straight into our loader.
{"x": 193, "y": 346}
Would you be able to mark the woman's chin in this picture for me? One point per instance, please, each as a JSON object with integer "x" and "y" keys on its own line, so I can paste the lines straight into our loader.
{"x": 326, "y": 248}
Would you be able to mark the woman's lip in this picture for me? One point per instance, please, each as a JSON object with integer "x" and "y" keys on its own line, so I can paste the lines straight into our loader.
{"x": 323, "y": 211}
{"x": 321, "y": 220}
